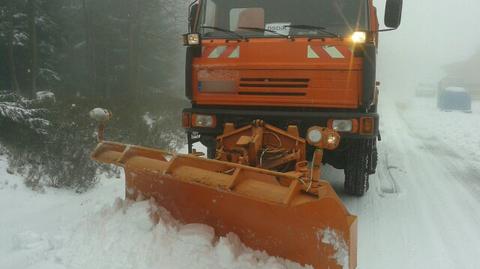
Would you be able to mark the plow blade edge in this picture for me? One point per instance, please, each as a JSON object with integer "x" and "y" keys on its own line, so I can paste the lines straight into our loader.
{"x": 281, "y": 219}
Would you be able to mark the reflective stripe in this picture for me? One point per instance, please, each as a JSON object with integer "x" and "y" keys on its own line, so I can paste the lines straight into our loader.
{"x": 311, "y": 54}
{"x": 217, "y": 52}
{"x": 333, "y": 52}
{"x": 235, "y": 54}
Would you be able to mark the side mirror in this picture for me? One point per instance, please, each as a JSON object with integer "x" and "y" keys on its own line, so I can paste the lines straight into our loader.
{"x": 192, "y": 13}
{"x": 393, "y": 13}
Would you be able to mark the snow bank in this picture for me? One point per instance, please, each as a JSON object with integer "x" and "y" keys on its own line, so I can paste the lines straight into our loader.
{"x": 59, "y": 229}
{"x": 125, "y": 236}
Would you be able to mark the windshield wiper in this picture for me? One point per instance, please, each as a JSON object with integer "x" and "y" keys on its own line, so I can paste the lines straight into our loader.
{"x": 258, "y": 29}
{"x": 312, "y": 27}
{"x": 224, "y": 30}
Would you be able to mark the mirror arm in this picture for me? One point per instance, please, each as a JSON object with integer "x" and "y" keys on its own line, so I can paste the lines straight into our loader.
{"x": 192, "y": 23}
{"x": 386, "y": 30}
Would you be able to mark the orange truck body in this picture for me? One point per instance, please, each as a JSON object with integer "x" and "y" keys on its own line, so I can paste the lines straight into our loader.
{"x": 302, "y": 80}
{"x": 278, "y": 72}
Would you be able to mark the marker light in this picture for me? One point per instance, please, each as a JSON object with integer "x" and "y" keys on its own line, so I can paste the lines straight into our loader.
{"x": 367, "y": 125}
{"x": 359, "y": 37}
{"x": 204, "y": 121}
{"x": 191, "y": 39}
{"x": 186, "y": 120}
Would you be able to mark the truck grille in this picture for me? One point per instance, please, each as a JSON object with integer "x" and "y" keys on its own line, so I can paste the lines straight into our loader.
{"x": 274, "y": 86}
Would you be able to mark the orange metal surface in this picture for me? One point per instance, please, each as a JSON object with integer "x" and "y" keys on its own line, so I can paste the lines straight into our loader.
{"x": 283, "y": 219}
{"x": 267, "y": 73}
{"x": 261, "y": 145}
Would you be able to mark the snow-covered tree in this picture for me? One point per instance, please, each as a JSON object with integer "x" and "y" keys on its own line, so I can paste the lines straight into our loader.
{"x": 124, "y": 55}
{"x": 20, "y": 110}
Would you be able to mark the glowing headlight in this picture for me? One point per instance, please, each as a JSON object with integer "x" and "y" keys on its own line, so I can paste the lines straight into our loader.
{"x": 342, "y": 125}
{"x": 314, "y": 136}
{"x": 205, "y": 121}
{"x": 359, "y": 37}
{"x": 323, "y": 138}
{"x": 191, "y": 39}
{"x": 332, "y": 139}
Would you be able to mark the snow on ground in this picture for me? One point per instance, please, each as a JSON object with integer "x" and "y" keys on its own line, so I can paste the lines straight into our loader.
{"x": 455, "y": 130}
{"x": 422, "y": 211}
{"x": 423, "y": 207}
{"x": 59, "y": 229}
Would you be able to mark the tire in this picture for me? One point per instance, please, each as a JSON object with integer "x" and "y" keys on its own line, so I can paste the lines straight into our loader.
{"x": 211, "y": 152}
{"x": 357, "y": 169}
{"x": 211, "y": 144}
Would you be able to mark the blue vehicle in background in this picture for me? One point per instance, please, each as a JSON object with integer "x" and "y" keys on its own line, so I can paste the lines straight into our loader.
{"x": 454, "y": 98}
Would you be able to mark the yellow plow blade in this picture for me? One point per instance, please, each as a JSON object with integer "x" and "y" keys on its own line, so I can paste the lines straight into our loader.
{"x": 311, "y": 228}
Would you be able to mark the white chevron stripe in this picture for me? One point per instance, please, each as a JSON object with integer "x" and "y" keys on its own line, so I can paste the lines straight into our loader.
{"x": 333, "y": 52}
{"x": 311, "y": 54}
{"x": 235, "y": 54}
{"x": 217, "y": 52}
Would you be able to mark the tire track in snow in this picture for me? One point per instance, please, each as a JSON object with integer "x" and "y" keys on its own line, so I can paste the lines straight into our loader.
{"x": 458, "y": 167}
{"x": 429, "y": 220}
{"x": 387, "y": 175}
{"x": 453, "y": 212}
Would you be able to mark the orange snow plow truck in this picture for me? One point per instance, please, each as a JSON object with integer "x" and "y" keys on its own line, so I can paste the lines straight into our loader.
{"x": 277, "y": 88}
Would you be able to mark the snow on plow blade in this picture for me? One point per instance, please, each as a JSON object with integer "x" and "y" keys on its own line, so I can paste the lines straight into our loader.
{"x": 281, "y": 219}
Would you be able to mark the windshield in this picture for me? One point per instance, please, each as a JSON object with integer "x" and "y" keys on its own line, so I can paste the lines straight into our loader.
{"x": 281, "y": 17}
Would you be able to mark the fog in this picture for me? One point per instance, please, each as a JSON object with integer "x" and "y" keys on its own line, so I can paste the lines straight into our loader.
{"x": 432, "y": 34}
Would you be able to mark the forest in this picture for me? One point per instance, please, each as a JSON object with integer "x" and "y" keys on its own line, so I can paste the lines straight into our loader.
{"x": 62, "y": 58}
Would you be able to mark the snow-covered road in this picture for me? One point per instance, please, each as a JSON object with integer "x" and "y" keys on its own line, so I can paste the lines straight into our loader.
{"x": 423, "y": 208}
{"x": 422, "y": 211}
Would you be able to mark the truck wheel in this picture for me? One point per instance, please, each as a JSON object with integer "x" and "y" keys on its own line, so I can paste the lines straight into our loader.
{"x": 356, "y": 170}
{"x": 211, "y": 152}
{"x": 211, "y": 144}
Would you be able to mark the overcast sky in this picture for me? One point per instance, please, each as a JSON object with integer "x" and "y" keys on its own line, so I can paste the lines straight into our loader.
{"x": 433, "y": 33}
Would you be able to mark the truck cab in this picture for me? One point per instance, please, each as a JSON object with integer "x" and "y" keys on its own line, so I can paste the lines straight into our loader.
{"x": 304, "y": 63}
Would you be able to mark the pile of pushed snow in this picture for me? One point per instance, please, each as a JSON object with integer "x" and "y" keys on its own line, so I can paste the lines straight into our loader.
{"x": 125, "y": 236}
{"x": 59, "y": 229}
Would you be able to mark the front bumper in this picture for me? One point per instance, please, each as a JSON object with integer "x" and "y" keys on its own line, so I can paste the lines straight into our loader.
{"x": 304, "y": 119}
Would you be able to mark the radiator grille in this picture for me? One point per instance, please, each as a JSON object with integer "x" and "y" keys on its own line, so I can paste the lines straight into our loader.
{"x": 274, "y": 86}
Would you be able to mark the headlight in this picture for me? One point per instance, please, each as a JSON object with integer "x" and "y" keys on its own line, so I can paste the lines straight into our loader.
{"x": 359, "y": 37}
{"x": 342, "y": 125}
{"x": 332, "y": 139}
{"x": 204, "y": 121}
{"x": 314, "y": 135}
{"x": 191, "y": 39}
{"x": 323, "y": 138}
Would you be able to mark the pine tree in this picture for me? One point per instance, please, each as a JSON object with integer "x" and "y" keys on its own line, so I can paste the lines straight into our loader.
{"x": 20, "y": 110}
